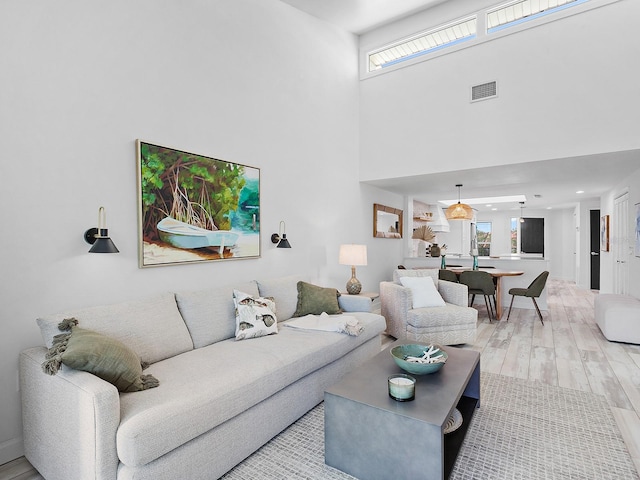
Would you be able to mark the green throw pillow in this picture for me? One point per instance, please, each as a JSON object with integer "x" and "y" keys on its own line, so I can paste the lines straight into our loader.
{"x": 315, "y": 300}
{"x": 103, "y": 356}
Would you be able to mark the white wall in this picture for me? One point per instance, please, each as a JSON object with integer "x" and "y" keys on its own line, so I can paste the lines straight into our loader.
{"x": 608, "y": 259}
{"x": 250, "y": 81}
{"x": 564, "y": 91}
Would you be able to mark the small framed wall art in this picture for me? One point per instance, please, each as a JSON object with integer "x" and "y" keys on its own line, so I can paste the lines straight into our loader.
{"x": 604, "y": 233}
{"x": 193, "y": 208}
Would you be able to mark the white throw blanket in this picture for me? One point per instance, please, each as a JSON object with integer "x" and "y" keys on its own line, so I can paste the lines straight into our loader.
{"x": 328, "y": 323}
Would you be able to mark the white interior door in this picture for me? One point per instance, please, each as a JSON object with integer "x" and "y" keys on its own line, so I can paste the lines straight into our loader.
{"x": 620, "y": 244}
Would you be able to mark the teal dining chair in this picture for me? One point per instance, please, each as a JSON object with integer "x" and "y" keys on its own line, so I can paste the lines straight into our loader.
{"x": 533, "y": 291}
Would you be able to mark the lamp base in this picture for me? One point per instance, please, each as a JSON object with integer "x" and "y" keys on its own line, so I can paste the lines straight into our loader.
{"x": 354, "y": 287}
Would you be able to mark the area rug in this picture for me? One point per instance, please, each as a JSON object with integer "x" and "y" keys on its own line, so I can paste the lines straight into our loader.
{"x": 523, "y": 430}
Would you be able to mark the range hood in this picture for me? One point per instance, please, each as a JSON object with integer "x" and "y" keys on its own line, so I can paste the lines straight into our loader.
{"x": 439, "y": 222}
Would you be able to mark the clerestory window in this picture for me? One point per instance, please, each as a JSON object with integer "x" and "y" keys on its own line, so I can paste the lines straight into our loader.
{"x": 423, "y": 43}
{"x": 519, "y": 11}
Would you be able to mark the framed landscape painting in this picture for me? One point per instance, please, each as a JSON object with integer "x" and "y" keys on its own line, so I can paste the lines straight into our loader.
{"x": 193, "y": 208}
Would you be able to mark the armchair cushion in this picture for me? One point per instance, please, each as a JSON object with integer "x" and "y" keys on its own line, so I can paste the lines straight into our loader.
{"x": 423, "y": 291}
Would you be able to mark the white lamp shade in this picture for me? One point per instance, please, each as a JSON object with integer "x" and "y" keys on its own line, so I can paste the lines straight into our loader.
{"x": 353, "y": 254}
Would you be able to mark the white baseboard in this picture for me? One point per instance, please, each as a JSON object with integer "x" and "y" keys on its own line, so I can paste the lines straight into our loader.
{"x": 11, "y": 449}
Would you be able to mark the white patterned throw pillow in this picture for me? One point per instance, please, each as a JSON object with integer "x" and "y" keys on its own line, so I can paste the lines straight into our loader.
{"x": 255, "y": 316}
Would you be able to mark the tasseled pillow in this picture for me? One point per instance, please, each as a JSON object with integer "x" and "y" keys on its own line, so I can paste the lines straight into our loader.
{"x": 103, "y": 356}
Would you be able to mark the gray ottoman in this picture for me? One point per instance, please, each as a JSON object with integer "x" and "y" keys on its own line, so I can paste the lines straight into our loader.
{"x": 618, "y": 316}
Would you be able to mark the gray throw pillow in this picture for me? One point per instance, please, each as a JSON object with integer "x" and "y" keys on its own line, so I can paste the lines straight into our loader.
{"x": 315, "y": 300}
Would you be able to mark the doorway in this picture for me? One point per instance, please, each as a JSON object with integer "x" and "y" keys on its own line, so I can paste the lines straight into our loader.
{"x": 620, "y": 244}
{"x": 594, "y": 248}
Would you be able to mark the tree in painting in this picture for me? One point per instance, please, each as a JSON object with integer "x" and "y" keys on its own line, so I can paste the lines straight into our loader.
{"x": 195, "y": 191}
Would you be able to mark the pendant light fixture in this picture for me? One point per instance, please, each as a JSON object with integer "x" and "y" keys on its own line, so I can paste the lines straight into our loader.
{"x": 521, "y": 207}
{"x": 459, "y": 211}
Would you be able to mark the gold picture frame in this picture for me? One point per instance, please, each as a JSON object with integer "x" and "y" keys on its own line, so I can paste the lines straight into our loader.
{"x": 193, "y": 208}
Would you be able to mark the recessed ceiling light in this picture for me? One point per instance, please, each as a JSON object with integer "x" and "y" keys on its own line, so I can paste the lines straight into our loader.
{"x": 549, "y": 208}
{"x": 494, "y": 208}
{"x": 488, "y": 205}
{"x": 580, "y": 191}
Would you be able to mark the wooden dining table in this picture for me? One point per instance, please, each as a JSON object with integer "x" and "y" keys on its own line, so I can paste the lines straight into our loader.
{"x": 497, "y": 274}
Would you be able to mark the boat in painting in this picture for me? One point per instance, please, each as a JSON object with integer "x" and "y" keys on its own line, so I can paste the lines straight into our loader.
{"x": 183, "y": 235}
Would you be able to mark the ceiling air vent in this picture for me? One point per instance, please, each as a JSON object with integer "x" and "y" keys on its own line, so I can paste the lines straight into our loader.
{"x": 484, "y": 91}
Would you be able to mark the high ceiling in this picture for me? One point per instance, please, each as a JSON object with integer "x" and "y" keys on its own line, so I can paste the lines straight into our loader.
{"x": 546, "y": 184}
{"x": 359, "y": 16}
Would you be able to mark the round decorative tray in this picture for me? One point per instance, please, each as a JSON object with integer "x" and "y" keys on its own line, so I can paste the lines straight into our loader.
{"x": 453, "y": 422}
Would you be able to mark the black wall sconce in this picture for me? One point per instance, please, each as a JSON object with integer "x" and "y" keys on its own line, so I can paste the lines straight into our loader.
{"x": 99, "y": 237}
{"x": 281, "y": 237}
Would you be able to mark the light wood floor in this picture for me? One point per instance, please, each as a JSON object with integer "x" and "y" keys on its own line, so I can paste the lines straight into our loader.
{"x": 568, "y": 351}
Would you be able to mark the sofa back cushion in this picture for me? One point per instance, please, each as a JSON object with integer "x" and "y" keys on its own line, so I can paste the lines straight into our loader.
{"x": 152, "y": 327}
{"x": 210, "y": 314}
{"x": 421, "y": 272}
{"x": 284, "y": 291}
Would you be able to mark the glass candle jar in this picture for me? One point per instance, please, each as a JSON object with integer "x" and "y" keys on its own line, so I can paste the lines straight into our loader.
{"x": 402, "y": 388}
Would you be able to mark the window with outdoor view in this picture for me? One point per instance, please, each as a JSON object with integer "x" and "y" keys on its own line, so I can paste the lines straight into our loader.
{"x": 514, "y": 235}
{"x": 484, "y": 238}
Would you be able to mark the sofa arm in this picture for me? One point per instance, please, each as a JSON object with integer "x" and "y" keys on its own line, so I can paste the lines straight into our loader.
{"x": 454, "y": 293}
{"x": 354, "y": 303}
{"x": 69, "y": 421}
{"x": 395, "y": 303}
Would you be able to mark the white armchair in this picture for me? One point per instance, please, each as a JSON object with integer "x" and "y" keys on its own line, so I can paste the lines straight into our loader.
{"x": 453, "y": 324}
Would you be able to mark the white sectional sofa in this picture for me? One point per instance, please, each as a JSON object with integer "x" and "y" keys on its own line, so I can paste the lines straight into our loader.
{"x": 219, "y": 399}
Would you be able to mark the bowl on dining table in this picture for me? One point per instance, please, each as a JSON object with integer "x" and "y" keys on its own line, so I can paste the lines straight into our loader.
{"x": 405, "y": 357}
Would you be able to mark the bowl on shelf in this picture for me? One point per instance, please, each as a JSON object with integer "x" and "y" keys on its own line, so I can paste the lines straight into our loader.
{"x": 406, "y": 357}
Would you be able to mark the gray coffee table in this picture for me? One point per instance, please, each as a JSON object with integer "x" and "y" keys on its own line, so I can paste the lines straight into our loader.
{"x": 371, "y": 436}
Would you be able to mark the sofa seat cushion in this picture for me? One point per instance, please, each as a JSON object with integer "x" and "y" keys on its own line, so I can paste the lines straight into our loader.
{"x": 205, "y": 387}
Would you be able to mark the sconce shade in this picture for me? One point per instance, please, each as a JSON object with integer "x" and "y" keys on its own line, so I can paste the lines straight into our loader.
{"x": 284, "y": 243}
{"x": 99, "y": 237}
{"x": 102, "y": 244}
{"x": 281, "y": 237}
{"x": 459, "y": 211}
{"x": 353, "y": 254}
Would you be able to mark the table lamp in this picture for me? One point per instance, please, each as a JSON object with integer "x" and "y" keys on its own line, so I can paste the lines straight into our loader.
{"x": 353, "y": 255}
